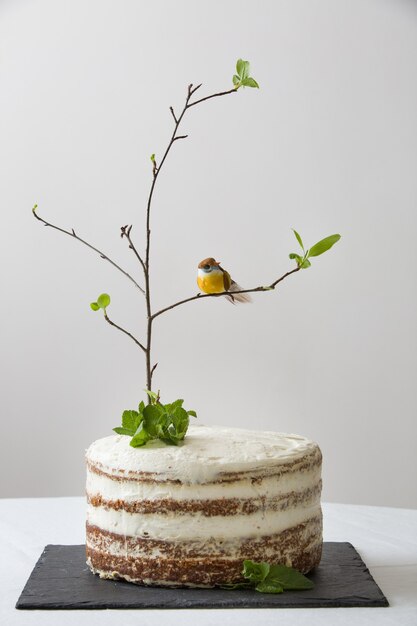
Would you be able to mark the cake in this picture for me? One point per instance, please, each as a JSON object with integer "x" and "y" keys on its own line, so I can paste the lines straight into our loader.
{"x": 189, "y": 515}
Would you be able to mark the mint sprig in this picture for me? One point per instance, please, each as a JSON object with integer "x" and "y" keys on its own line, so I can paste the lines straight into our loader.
{"x": 167, "y": 422}
{"x": 242, "y": 78}
{"x": 267, "y": 578}
{"x": 320, "y": 247}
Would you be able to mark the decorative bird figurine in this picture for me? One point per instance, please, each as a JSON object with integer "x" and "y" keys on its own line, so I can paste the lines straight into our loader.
{"x": 212, "y": 278}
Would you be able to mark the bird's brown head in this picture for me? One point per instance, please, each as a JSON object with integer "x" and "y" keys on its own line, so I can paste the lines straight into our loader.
{"x": 208, "y": 263}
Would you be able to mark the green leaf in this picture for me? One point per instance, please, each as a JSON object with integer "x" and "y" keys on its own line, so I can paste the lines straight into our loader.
{"x": 140, "y": 437}
{"x": 249, "y": 82}
{"x": 236, "y": 80}
{"x": 323, "y": 245}
{"x": 123, "y": 431}
{"x": 297, "y": 257}
{"x": 235, "y": 586}
{"x": 300, "y": 241}
{"x": 153, "y": 396}
{"x": 176, "y": 425}
{"x": 269, "y": 587}
{"x": 153, "y": 416}
{"x": 35, "y": 206}
{"x": 152, "y": 158}
{"x": 240, "y": 67}
{"x": 255, "y": 572}
{"x": 305, "y": 263}
{"x": 131, "y": 420}
{"x": 167, "y": 422}
{"x": 288, "y": 578}
{"x": 94, "y": 306}
{"x": 103, "y": 300}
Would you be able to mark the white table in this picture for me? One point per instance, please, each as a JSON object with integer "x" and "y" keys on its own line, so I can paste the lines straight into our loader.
{"x": 386, "y": 538}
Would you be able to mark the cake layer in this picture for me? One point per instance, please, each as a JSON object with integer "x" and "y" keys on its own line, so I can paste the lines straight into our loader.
{"x": 208, "y": 454}
{"x": 191, "y": 563}
{"x": 177, "y": 525}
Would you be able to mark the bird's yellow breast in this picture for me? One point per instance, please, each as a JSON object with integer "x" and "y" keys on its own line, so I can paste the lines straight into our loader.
{"x": 211, "y": 282}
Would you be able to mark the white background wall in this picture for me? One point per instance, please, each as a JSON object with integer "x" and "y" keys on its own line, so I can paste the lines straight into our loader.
{"x": 328, "y": 144}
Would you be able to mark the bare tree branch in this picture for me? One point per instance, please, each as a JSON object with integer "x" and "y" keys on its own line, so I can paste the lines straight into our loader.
{"x": 200, "y": 296}
{"x": 106, "y": 317}
{"x": 104, "y": 256}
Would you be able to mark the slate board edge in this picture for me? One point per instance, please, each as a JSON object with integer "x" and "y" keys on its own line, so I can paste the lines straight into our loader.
{"x": 25, "y": 603}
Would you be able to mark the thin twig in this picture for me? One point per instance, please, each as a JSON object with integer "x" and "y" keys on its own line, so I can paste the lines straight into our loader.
{"x": 126, "y": 230}
{"x": 214, "y": 95}
{"x": 200, "y": 296}
{"x": 106, "y": 317}
{"x": 104, "y": 256}
{"x": 173, "y": 114}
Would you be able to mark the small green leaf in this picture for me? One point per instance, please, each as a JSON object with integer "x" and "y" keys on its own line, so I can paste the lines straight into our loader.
{"x": 323, "y": 245}
{"x": 288, "y": 578}
{"x": 269, "y": 587}
{"x": 153, "y": 396}
{"x": 141, "y": 407}
{"x": 131, "y": 420}
{"x": 35, "y": 206}
{"x": 236, "y": 80}
{"x": 249, "y": 82}
{"x": 94, "y": 306}
{"x": 140, "y": 437}
{"x": 300, "y": 241}
{"x": 153, "y": 416}
{"x": 103, "y": 300}
{"x": 296, "y": 257}
{"x": 192, "y": 413}
{"x": 123, "y": 431}
{"x": 240, "y": 67}
{"x": 305, "y": 263}
{"x": 152, "y": 158}
{"x": 255, "y": 572}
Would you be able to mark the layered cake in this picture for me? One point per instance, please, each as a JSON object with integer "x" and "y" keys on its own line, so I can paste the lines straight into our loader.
{"x": 189, "y": 515}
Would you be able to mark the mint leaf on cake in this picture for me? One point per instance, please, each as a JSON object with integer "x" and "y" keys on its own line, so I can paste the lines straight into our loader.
{"x": 166, "y": 422}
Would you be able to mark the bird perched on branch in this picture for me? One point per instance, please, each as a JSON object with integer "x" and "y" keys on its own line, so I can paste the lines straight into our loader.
{"x": 212, "y": 278}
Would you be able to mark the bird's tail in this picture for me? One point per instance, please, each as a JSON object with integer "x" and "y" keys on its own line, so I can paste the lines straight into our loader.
{"x": 237, "y": 297}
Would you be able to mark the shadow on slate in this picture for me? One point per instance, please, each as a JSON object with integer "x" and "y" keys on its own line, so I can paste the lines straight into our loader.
{"x": 62, "y": 580}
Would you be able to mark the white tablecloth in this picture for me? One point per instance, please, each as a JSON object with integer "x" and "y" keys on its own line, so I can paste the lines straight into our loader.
{"x": 386, "y": 538}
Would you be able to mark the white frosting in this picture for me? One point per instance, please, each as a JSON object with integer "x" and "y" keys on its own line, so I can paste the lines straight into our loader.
{"x": 270, "y": 487}
{"x": 205, "y": 454}
{"x": 172, "y": 527}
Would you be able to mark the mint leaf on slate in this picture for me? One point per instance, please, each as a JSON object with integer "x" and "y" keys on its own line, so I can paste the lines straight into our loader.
{"x": 289, "y": 578}
{"x": 255, "y": 572}
{"x": 267, "y": 578}
{"x": 267, "y": 586}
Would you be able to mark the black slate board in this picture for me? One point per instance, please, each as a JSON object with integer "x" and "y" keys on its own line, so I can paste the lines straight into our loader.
{"x": 62, "y": 580}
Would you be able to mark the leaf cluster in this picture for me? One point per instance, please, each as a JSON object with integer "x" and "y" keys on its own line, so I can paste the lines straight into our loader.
{"x": 320, "y": 247}
{"x": 102, "y": 302}
{"x": 268, "y": 578}
{"x": 242, "y": 77}
{"x": 167, "y": 422}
